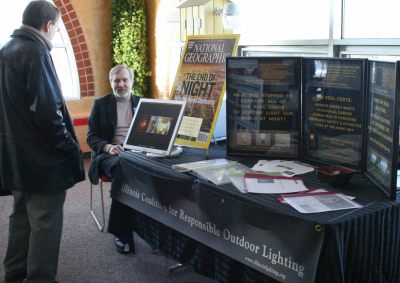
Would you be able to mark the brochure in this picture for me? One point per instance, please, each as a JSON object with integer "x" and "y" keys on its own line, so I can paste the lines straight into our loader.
{"x": 211, "y": 163}
{"x": 320, "y": 202}
{"x": 309, "y": 192}
{"x": 285, "y": 167}
{"x": 266, "y": 184}
{"x": 220, "y": 174}
{"x": 280, "y": 198}
{"x": 237, "y": 180}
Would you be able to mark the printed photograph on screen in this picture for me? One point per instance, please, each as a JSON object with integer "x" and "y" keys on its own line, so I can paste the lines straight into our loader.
{"x": 317, "y": 95}
{"x": 378, "y": 165}
{"x": 154, "y": 126}
{"x": 159, "y": 125}
{"x": 383, "y": 165}
{"x": 144, "y": 123}
{"x": 243, "y": 138}
{"x": 320, "y": 69}
{"x": 313, "y": 141}
{"x": 282, "y": 139}
{"x": 263, "y": 139}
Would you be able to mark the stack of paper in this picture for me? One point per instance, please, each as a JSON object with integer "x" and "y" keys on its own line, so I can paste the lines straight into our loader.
{"x": 310, "y": 191}
{"x": 267, "y": 184}
{"x": 285, "y": 167}
{"x": 220, "y": 174}
{"x": 237, "y": 179}
{"x": 214, "y": 170}
{"x": 210, "y": 163}
{"x": 320, "y": 202}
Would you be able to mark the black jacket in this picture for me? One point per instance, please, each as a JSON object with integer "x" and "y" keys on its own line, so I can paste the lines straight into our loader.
{"x": 102, "y": 126}
{"x": 38, "y": 146}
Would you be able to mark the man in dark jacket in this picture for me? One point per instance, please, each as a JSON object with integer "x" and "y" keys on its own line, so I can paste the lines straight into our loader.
{"x": 40, "y": 154}
{"x": 109, "y": 123}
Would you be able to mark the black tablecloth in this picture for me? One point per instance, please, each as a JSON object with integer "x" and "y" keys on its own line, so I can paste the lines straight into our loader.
{"x": 359, "y": 245}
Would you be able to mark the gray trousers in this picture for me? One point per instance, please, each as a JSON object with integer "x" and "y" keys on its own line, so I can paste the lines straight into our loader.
{"x": 35, "y": 230}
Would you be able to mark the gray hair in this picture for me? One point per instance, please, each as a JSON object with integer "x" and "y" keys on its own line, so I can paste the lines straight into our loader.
{"x": 118, "y": 68}
{"x": 38, "y": 13}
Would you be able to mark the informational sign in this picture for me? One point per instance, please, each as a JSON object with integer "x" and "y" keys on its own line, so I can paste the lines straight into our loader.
{"x": 272, "y": 243}
{"x": 263, "y": 106}
{"x": 383, "y": 125}
{"x": 334, "y": 110}
{"x": 200, "y": 81}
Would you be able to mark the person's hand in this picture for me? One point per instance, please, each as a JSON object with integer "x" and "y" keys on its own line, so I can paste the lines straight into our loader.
{"x": 115, "y": 149}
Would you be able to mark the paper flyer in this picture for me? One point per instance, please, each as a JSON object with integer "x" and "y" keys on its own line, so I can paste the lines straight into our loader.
{"x": 320, "y": 202}
{"x": 209, "y": 163}
{"x": 220, "y": 175}
{"x": 264, "y": 184}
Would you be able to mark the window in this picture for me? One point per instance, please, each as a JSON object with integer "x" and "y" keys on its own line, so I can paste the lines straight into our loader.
{"x": 263, "y": 21}
{"x": 62, "y": 53}
{"x": 371, "y": 19}
{"x": 335, "y": 28}
{"x": 285, "y": 50}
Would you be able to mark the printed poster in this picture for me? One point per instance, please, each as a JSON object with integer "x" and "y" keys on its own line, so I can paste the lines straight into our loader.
{"x": 200, "y": 81}
{"x": 334, "y": 99}
{"x": 383, "y": 125}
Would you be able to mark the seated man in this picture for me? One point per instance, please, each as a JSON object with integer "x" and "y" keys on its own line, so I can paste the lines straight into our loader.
{"x": 109, "y": 123}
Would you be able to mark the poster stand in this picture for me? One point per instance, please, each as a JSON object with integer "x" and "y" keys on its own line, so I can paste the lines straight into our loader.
{"x": 200, "y": 81}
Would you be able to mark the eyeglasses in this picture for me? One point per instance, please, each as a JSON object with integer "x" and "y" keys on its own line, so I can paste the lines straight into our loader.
{"x": 54, "y": 24}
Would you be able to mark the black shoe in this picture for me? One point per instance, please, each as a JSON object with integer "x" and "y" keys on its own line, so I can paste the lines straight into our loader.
{"x": 124, "y": 248}
{"x": 15, "y": 279}
{"x": 155, "y": 251}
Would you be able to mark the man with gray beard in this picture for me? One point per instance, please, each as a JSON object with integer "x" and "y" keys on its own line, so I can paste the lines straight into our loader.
{"x": 109, "y": 123}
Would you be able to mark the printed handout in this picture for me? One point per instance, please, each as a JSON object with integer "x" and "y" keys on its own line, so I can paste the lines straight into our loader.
{"x": 285, "y": 167}
{"x": 220, "y": 175}
{"x": 184, "y": 167}
{"x": 320, "y": 202}
{"x": 265, "y": 184}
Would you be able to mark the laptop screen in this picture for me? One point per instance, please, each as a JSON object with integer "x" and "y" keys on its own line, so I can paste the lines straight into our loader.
{"x": 155, "y": 125}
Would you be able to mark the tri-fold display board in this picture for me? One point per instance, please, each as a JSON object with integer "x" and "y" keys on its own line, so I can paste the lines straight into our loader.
{"x": 383, "y": 126}
{"x": 334, "y": 100}
{"x": 263, "y": 106}
{"x": 326, "y": 110}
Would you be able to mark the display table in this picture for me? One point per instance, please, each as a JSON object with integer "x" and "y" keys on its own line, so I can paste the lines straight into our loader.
{"x": 239, "y": 237}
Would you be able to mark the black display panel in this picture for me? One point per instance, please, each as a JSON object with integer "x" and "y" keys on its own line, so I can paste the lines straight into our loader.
{"x": 263, "y": 106}
{"x": 334, "y": 111}
{"x": 383, "y": 126}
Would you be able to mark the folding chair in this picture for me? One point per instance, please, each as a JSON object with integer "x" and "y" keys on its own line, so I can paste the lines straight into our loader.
{"x": 103, "y": 178}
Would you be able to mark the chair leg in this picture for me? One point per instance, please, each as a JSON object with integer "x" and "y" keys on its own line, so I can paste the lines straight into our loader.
{"x": 101, "y": 227}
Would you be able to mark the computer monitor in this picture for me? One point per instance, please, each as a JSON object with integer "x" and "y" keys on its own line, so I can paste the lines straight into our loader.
{"x": 155, "y": 125}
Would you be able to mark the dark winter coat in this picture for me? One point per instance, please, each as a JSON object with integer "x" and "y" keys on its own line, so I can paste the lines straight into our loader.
{"x": 39, "y": 151}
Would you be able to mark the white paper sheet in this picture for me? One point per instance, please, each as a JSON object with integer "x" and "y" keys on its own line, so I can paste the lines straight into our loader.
{"x": 320, "y": 202}
{"x": 274, "y": 185}
{"x": 184, "y": 167}
{"x": 220, "y": 174}
{"x": 285, "y": 167}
